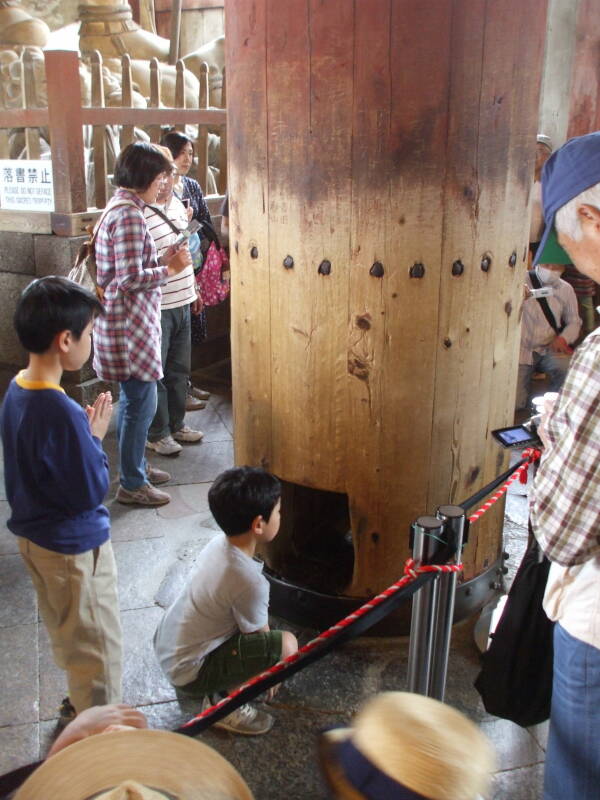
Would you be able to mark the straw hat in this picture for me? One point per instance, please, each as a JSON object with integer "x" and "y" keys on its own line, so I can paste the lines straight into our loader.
{"x": 401, "y": 741}
{"x": 136, "y": 765}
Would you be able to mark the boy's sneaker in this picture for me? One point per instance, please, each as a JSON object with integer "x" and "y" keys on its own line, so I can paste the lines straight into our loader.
{"x": 167, "y": 446}
{"x": 201, "y": 394}
{"x": 66, "y": 714}
{"x": 146, "y": 495}
{"x": 186, "y": 434}
{"x": 193, "y": 403}
{"x": 156, "y": 476}
{"x": 245, "y": 720}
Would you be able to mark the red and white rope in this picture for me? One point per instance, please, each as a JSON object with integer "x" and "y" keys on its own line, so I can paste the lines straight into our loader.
{"x": 411, "y": 572}
{"x": 532, "y": 455}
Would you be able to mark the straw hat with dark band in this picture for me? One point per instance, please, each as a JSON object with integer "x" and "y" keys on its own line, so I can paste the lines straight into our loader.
{"x": 405, "y": 746}
{"x": 136, "y": 765}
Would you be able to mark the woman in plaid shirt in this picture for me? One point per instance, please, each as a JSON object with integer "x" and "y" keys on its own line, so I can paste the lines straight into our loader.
{"x": 127, "y": 337}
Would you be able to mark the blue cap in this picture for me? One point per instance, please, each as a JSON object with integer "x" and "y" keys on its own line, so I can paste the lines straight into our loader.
{"x": 570, "y": 170}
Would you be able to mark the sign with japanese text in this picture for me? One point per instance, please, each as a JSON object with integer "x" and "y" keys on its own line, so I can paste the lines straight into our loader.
{"x": 26, "y": 185}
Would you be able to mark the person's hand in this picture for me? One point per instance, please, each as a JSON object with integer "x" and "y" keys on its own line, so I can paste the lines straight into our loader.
{"x": 96, "y": 720}
{"x": 99, "y": 414}
{"x": 178, "y": 261}
{"x": 545, "y": 408}
{"x": 190, "y": 212}
{"x": 197, "y": 305}
{"x": 559, "y": 345}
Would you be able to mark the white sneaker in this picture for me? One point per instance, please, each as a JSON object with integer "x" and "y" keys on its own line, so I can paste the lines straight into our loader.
{"x": 186, "y": 434}
{"x": 166, "y": 446}
{"x": 245, "y": 720}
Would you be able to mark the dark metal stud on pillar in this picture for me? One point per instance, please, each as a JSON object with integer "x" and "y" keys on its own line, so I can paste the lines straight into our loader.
{"x": 427, "y": 532}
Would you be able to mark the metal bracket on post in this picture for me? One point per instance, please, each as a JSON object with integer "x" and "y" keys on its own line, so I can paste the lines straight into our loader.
{"x": 428, "y": 533}
{"x": 453, "y": 518}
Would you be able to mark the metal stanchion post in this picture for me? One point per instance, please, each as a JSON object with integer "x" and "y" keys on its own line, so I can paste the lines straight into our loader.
{"x": 454, "y": 519}
{"x": 428, "y": 531}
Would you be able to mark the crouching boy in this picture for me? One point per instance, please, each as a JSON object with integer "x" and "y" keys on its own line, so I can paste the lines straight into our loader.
{"x": 216, "y": 634}
{"x": 56, "y": 476}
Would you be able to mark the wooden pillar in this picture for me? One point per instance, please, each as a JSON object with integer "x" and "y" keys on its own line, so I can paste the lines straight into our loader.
{"x": 380, "y": 164}
{"x": 66, "y": 131}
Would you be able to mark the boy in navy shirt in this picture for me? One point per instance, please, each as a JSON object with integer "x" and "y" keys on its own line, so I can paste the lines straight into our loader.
{"x": 56, "y": 476}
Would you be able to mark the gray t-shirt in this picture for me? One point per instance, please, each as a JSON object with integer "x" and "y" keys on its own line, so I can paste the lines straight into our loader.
{"x": 227, "y": 594}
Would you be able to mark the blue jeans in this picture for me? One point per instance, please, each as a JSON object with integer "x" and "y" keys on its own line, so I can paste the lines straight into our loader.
{"x": 573, "y": 754}
{"x": 137, "y": 406}
{"x": 176, "y": 353}
{"x": 555, "y": 365}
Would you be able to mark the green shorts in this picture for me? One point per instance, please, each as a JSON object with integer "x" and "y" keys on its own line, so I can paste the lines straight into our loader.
{"x": 234, "y": 662}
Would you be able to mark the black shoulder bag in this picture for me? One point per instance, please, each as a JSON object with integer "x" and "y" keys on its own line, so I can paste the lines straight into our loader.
{"x": 515, "y": 681}
{"x": 536, "y": 283}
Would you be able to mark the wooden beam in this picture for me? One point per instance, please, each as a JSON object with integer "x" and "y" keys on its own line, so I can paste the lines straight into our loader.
{"x": 66, "y": 138}
{"x": 24, "y": 118}
{"x": 25, "y": 221}
{"x": 151, "y": 116}
{"x": 73, "y": 224}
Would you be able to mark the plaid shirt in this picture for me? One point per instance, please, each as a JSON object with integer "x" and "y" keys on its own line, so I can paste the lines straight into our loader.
{"x": 565, "y": 507}
{"x": 127, "y": 337}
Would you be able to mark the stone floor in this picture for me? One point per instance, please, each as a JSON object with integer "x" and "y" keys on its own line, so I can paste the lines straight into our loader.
{"x": 155, "y": 551}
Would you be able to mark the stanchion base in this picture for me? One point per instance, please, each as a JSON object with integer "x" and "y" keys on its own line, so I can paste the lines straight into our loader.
{"x": 301, "y": 606}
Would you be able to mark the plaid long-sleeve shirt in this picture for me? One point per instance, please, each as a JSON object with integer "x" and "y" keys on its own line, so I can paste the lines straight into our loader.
{"x": 565, "y": 506}
{"x": 127, "y": 337}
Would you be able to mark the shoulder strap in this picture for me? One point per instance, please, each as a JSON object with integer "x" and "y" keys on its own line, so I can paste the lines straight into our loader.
{"x": 210, "y": 233}
{"x": 550, "y": 318}
{"x": 109, "y": 207}
{"x": 174, "y": 227}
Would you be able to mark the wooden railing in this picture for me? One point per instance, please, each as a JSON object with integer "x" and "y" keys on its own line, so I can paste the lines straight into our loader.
{"x": 65, "y": 117}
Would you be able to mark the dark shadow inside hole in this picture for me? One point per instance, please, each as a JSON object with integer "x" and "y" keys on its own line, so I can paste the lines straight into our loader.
{"x": 314, "y": 546}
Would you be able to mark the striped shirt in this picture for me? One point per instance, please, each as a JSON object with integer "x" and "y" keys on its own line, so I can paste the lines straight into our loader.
{"x": 127, "y": 337}
{"x": 180, "y": 289}
{"x": 536, "y": 333}
{"x": 565, "y": 505}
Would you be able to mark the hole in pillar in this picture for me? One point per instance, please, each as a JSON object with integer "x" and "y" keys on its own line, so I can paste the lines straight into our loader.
{"x": 314, "y": 546}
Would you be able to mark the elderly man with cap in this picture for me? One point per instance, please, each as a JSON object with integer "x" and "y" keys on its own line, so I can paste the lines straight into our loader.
{"x": 565, "y": 505}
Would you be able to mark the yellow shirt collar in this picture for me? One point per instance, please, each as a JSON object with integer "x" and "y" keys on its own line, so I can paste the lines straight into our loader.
{"x": 21, "y": 381}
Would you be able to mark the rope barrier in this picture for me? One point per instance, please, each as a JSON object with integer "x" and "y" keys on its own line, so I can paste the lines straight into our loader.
{"x": 414, "y": 577}
{"x": 519, "y": 470}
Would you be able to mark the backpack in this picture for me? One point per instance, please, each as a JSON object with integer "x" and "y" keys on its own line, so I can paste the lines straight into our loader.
{"x": 84, "y": 271}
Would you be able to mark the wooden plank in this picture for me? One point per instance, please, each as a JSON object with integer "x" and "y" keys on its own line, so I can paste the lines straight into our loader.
{"x": 584, "y": 112}
{"x": 491, "y": 125}
{"x": 245, "y": 40}
{"x": 202, "y": 140}
{"x": 98, "y": 133}
{"x": 73, "y": 224}
{"x": 127, "y": 133}
{"x": 65, "y": 123}
{"x": 150, "y": 116}
{"x": 32, "y": 135}
{"x": 222, "y": 182}
{"x": 409, "y": 306}
{"x": 175, "y": 31}
{"x": 24, "y": 118}
{"x": 180, "y": 90}
{"x": 153, "y": 130}
{"x": 25, "y": 221}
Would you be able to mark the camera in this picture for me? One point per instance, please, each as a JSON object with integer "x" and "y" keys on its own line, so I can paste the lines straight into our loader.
{"x": 524, "y": 435}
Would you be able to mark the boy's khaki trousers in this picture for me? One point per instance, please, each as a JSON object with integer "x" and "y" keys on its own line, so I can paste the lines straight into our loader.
{"x": 77, "y": 597}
